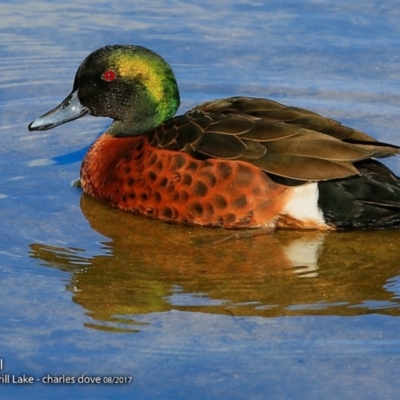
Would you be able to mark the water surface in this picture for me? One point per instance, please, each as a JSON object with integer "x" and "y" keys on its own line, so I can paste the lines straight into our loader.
{"x": 91, "y": 290}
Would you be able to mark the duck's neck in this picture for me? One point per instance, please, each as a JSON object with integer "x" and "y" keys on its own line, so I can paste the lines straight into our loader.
{"x": 128, "y": 128}
{"x": 148, "y": 110}
{"x": 143, "y": 119}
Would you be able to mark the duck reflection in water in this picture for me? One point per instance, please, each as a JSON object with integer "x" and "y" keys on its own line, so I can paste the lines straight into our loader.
{"x": 343, "y": 273}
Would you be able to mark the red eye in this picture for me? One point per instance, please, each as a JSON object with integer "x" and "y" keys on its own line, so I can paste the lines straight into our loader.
{"x": 108, "y": 75}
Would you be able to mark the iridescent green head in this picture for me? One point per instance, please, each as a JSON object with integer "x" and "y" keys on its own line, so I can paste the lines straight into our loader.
{"x": 131, "y": 84}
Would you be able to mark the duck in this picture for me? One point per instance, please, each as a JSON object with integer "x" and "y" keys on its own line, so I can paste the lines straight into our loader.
{"x": 234, "y": 163}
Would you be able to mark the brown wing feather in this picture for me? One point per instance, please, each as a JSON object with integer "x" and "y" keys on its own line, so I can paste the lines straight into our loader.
{"x": 274, "y": 111}
{"x": 283, "y": 144}
{"x": 305, "y": 168}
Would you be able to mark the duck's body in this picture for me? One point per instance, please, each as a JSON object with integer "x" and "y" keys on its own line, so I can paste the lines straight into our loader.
{"x": 234, "y": 163}
{"x": 175, "y": 187}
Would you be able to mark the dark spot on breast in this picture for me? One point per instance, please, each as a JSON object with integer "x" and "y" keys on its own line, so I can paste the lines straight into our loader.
{"x": 225, "y": 169}
{"x": 138, "y": 156}
{"x": 153, "y": 159}
{"x": 123, "y": 197}
{"x": 144, "y": 196}
{"x": 127, "y": 170}
{"x": 152, "y": 176}
{"x": 179, "y": 161}
{"x": 200, "y": 189}
{"x": 139, "y": 146}
{"x": 220, "y": 201}
{"x": 157, "y": 196}
{"x": 239, "y": 202}
{"x": 187, "y": 179}
{"x": 132, "y": 195}
{"x": 196, "y": 208}
{"x": 128, "y": 157}
{"x": 192, "y": 166}
{"x": 256, "y": 191}
{"x": 163, "y": 182}
{"x": 130, "y": 181}
{"x": 167, "y": 212}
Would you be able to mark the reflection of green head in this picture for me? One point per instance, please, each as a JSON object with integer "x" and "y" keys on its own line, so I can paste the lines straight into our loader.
{"x": 143, "y": 92}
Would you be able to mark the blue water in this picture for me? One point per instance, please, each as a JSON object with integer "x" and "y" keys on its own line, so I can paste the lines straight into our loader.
{"x": 93, "y": 291}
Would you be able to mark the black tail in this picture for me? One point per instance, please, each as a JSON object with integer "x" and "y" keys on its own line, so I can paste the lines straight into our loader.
{"x": 370, "y": 200}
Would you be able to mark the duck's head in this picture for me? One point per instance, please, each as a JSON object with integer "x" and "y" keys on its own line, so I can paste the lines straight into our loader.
{"x": 131, "y": 84}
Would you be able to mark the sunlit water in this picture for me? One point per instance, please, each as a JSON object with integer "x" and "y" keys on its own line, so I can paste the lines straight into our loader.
{"x": 91, "y": 290}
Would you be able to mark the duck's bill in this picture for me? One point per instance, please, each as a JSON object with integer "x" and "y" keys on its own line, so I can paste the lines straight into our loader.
{"x": 70, "y": 109}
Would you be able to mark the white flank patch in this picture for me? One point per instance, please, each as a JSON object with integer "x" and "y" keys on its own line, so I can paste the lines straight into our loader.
{"x": 303, "y": 205}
